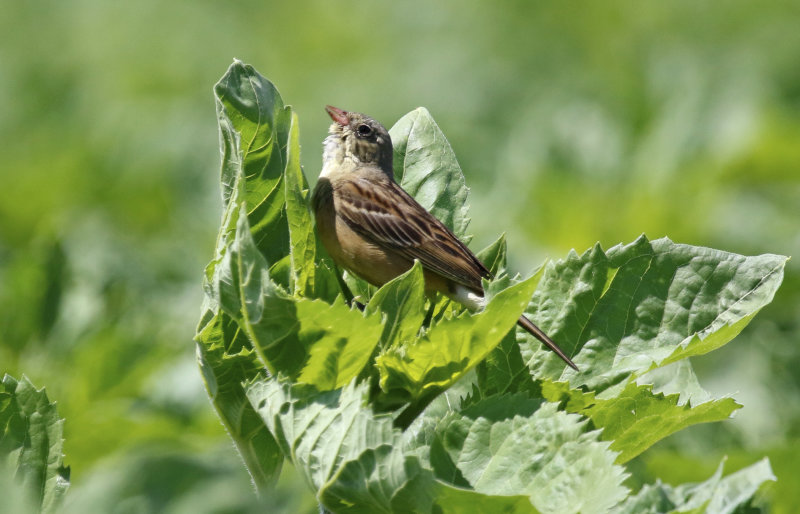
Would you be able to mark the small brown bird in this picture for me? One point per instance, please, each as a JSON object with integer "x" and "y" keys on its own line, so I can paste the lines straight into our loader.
{"x": 373, "y": 228}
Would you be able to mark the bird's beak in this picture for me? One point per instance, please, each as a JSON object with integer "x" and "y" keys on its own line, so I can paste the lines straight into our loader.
{"x": 337, "y": 115}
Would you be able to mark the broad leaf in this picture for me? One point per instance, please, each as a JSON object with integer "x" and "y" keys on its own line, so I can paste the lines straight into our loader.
{"x": 260, "y": 170}
{"x": 494, "y": 255}
{"x": 309, "y": 340}
{"x": 227, "y": 360}
{"x": 31, "y": 441}
{"x": 426, "y": 167}
{"x": 644, "y": 305}
{"x": 628, "y": 311}
{"x": 718, "y": 495}
{"x": 302, "y": 238}
{"x": 321, "y": 431}
{"x": 511, "y": 445}
{"x": 419, "y": 371}
{"x": 355, "y": 458}
{"x": 385, "y": 480}
{"x": 637, "y": 417}
{"x": 402, "y": 301}
{"x": 254, "y": 133}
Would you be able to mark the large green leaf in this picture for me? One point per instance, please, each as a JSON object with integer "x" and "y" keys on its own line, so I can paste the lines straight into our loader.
{"x": 636, "y": 418}
{"x": 309, "y": 340}
{"x": 227, "y": 360}
{"x": 298, "y": 214}
{"x": 624, "y": 313}
{"x": 512, "y": 445}
{"x": 263, "y": 186}
{"x": 31, "y": 441}
{"x": 644, "y": 305}
{"x": 426, "y": 167}
{"x": 402, "y": 301}
{"x": 386, "y": 480}
{"x": 716, "y": 495}
{"x": 416, "y": 372}
{"x": 355, "y": 458}
{"x": 254, "y": 132}
{"x": 321, "y": 431}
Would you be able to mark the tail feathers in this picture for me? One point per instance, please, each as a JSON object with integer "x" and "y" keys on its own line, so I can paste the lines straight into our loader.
{"x": 541, "y": 336}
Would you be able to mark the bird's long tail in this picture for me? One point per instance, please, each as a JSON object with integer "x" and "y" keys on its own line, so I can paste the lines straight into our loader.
{"x": 541, "y": 336}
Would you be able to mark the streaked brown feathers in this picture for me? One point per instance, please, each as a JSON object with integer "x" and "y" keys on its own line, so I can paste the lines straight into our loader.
{"x": 383, "y": 213}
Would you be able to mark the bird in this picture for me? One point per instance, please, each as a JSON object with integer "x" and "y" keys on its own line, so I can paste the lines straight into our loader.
{"x": 373, "y": 228}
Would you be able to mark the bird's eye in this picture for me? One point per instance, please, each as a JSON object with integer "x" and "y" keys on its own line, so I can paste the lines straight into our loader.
{"x": 364, "y": 130}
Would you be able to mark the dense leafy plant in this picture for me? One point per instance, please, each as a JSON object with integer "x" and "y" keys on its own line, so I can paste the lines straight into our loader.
{"x": 30, "y": 449}
{"x": 392, "y": 410}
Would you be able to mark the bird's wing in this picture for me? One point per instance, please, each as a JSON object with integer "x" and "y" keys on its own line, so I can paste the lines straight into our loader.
{"x": 386, "y": 215}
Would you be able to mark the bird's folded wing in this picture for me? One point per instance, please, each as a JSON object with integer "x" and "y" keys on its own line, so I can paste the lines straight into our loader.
{"x": 386, "y": 215}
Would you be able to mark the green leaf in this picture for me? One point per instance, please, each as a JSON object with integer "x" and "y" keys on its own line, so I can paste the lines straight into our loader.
{"x": 16, "y": 499}
{"x": 355, "y": 458}
{"x": 340, "y": 341}
{"x": 639, "y": 306}
{"x": 494, "y": 255}
{"x": 644, "y": 305}
{"x": 260, "y": 170}
{"x": 302, "y": 238}
{"x": 385, "y": 480}
{"x": 402, "y": 301}
{"x": 426, "y": 167}
{"x": 309, "y": 340}
{"x": 417, "y": 372}
{"x": 227, "y": 360}
{"x": 456, "y": 499}
{"x": 637, "y": 418}
{"x": 31, "y": 441}
{"x": 676, "y": 378}
{"x": 321, "y": 431}
{"x": 511, "y": 445}
{"x": 504, "y": 371}
{"x": 718, "y": 495}
{"x": 254, "y": 132}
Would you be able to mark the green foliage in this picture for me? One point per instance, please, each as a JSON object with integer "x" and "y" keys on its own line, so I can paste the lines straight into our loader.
{"x": 572, "y": 124}
{"x": 419, "y": 370}
{"x": 382, "y": 411}
{"x": 226, "y": 360}
{"x": 717, "y": 494}
{"x": 426, "y": 167}
{"x": 31, "y": 445}
{"x": 636, "y": 418}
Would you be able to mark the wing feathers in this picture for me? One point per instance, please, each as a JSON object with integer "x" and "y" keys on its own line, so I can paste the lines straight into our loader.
{"x": 389, "y": 217}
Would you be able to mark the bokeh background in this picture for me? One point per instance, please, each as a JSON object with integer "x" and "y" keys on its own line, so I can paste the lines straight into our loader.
{"x": 574, "y": 122}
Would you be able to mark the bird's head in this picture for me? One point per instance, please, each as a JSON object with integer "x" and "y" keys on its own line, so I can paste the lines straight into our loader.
{"x": 359, "y": 138}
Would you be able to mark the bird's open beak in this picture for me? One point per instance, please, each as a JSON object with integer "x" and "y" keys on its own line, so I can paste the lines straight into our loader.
{"x": 337, "y": 115}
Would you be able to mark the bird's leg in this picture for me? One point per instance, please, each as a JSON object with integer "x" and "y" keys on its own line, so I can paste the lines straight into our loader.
{"x": 348, "y": 295}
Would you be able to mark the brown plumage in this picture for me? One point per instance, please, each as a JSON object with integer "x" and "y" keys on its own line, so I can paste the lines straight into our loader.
{"x": 372, "y": 227}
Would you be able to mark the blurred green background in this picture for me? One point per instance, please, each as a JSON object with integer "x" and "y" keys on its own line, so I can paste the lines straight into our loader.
{"x": 573, "y": 122}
